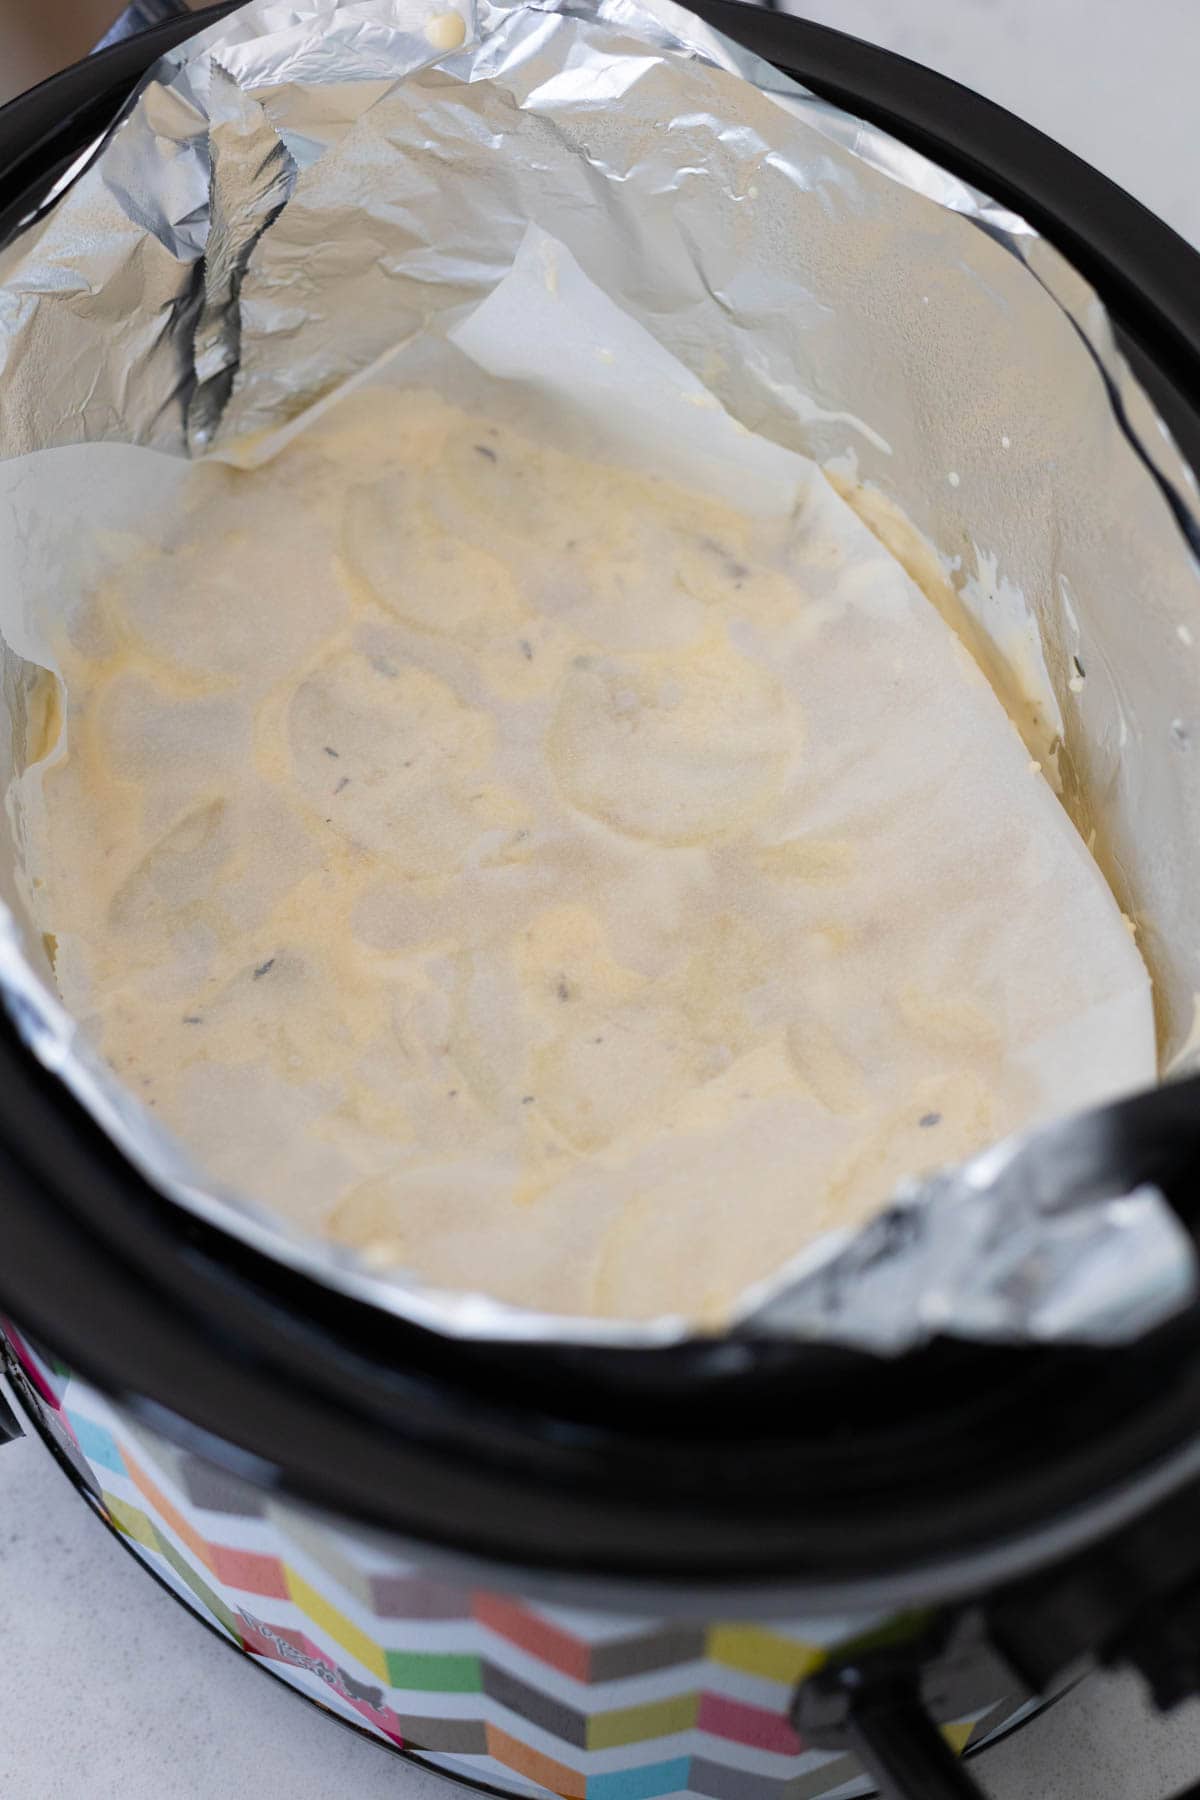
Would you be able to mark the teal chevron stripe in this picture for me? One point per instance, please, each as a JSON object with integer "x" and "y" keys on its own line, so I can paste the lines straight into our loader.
{"x": 645, "y": 1783}
{"x": 97, "y": 1444}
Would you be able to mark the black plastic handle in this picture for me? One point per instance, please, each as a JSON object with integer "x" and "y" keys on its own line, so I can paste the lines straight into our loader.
{"x": 901, "y": 1748}
{"x": 10, "y": 1430}
{"x": 903, "y": 1751}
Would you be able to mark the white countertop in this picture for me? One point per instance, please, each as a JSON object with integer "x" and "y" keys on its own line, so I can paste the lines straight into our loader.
{"x": 110, "y": 1692}
{"x": 1113, "y": 80}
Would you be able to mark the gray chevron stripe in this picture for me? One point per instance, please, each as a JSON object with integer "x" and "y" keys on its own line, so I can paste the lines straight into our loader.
{"x": 466, "y": 1737}
{"x": 531, "y": 1703}
{"x": 720, "y": 1782}
{"x": 642, "y": 1655}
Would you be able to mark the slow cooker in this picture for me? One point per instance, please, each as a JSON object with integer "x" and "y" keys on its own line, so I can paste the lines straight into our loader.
{"x": 742, "y": 1569}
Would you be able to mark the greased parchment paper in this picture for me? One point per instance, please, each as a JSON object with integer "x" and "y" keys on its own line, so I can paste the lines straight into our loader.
{"x": 293, "y": 218}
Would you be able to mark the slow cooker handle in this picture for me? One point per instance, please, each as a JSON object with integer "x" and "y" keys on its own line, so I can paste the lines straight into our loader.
{"x": 10, "y": 1429}
{"x": 879, "y": 1714}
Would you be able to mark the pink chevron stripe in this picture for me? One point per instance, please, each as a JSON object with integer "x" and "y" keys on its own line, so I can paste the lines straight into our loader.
{"x": 744, "y": 1724}
{"x": 279, "y": 1643}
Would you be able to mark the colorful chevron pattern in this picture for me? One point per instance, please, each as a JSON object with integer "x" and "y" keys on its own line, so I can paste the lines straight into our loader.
{"x": 532, "y": 1698}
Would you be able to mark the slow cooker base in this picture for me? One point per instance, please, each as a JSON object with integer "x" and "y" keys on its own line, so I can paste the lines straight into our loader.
{"x": 482, "y": 1685}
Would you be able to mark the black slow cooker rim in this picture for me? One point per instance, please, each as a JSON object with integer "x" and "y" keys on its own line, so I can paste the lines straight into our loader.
{"x": 345, "y": 1408}
{"x": 612, "y": 1465}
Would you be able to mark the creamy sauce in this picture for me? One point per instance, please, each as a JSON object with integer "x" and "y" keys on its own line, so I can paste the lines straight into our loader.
{"x": 555, "y": 882}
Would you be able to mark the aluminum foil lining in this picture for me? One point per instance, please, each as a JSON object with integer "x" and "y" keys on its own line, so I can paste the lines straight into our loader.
{"x": 235, "y": 252}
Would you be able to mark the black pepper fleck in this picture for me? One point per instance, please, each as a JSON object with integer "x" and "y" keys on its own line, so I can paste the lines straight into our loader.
{"x": 330, "y": 751}
{"x": 192, "y": 1019}
{"x": 927, "y": 1120}
{"x": 1079, "y": 668}
{"x": 485, "y": 450}
{"x": 562, "y": 990}
{"x": 264, "y": 968}
{"x": 526, "y": 1099}
{"x": 527, "y": 649}
{"x": 343, "y": 783}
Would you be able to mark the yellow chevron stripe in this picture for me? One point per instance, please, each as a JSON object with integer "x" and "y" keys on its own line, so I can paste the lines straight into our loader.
{"x": 758, "y": 1652}
{"x": 130, "y": 1520}
{"x": 343, "y": 1630}
{"x": 631, "y": 1724}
